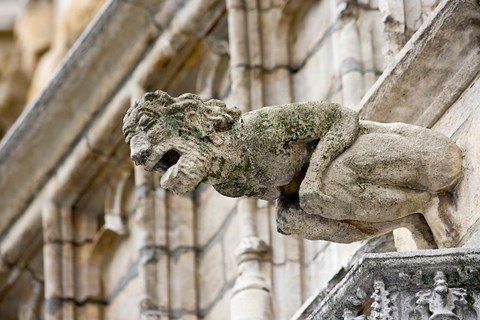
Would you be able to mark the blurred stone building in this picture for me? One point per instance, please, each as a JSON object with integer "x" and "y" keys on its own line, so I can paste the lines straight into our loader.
{"x": 86, "y": 235}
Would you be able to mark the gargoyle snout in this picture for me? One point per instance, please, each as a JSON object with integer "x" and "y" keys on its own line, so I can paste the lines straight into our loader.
{"x": 139, "y": 153}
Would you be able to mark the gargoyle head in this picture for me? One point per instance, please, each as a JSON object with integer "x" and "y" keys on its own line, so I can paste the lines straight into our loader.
{"x": 176, "y": 136}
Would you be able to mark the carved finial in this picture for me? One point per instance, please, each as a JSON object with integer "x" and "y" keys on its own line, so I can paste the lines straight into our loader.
{"x": 442, "y": 300}
{"x": 382, "y": 305}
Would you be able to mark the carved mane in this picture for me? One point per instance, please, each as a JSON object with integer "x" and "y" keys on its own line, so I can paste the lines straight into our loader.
{"x": 189, "y": 112}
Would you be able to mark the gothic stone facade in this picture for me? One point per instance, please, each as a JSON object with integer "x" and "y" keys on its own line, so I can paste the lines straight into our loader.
{"x": 85, "y": 235}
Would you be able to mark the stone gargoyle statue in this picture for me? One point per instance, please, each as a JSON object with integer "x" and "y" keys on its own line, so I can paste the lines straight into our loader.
{"x": 334, "y": 177}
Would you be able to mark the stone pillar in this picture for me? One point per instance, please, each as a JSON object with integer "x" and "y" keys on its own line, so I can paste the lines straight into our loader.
{"x": 144, "y": 233}
{"x": 394, "y": 22}
{"x": 58, "y": 260}
{"x": 239, "y": 61}
{"x": 251, "y": 295}
{"x": 68, "y": 267}
{"x": 351, "y": 62}
{"x": 52, "y": 261}
{"x": 349, "y": 48}
{"x": 163, "y": 261}
{"x": 401, "y": 19}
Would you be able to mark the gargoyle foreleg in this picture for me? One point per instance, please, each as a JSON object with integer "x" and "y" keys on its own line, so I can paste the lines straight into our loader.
{"x": 339, "y": 137}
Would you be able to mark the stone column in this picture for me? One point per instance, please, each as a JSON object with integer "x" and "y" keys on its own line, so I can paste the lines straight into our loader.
{"x": 401, "y": 19}
{"x": 68, "y": 267}
{"x": 351, "y": 62}
{"x": 144, "y": 233}
{"x": 347, "y": 48}
{"x": 58, "y": 260}
{"x": 52, "y": 261}
{"x": 394, "y": 22}
{"x": 251, "y": 294}
{"x": 239, "y": 62}
{"x": 163, "y": 261}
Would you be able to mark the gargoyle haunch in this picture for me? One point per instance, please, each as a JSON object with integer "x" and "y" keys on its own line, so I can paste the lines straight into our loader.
{"x": 334, "y": 177}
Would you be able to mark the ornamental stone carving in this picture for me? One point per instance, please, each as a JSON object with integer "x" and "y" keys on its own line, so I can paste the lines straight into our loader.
{"x": 334, "y": 177}
{"x": 442, "y": 300}
{"x": 421, "y": 285}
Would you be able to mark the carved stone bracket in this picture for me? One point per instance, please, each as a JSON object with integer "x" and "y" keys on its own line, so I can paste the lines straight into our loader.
{"x": 422, "y": 285}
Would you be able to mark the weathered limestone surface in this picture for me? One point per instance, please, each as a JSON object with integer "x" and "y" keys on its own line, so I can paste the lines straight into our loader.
{"x": 13, "y": 82}
{"x": 453, "y": 113}
{"x": 335, "y": 178}
{"x": 123, "y": 236}
{"x": 429, "y": 284}
{"x": 212, "y": 211}
{"x": 34, "y": 29}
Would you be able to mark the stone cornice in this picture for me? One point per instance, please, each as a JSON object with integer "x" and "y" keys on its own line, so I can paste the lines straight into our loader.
{"x": 404, "y": 279}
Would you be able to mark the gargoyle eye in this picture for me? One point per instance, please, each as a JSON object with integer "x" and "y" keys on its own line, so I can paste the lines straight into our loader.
{"x": 145, "y": 122}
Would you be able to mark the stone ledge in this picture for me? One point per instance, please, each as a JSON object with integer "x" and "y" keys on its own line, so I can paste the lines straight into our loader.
{"x": 405, "y": 278}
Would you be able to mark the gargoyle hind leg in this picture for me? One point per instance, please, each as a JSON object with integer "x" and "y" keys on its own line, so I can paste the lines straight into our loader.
{"x": 291, "y": 219}
{"x": 343, "y": 195}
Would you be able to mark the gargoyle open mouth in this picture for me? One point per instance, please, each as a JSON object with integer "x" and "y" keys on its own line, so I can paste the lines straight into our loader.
{"x": 169, "y": 159}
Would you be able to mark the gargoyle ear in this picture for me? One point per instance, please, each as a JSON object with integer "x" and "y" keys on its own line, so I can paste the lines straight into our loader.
{"x": 183, "y": 103}
{"x": 221, "y": 117}
{"x": 216, "y": 103}
{"x": 160, "y": 98}
{"x": 189, "y": 96}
